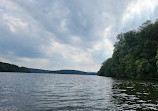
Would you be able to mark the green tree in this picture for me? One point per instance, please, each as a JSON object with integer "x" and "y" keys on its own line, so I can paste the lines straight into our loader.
{"x": 105, "y": 69}
{"x": 135, "y": 54}
{"x": 157, "y": 59}
{"x": 143, "y": 68}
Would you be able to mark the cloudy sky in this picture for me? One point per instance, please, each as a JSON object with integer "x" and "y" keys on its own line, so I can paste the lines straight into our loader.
{"x": 67, "y": 34}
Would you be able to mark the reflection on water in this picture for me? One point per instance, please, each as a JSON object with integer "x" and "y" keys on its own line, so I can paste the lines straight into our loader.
{"x": 134, "y": 94}
{"x": 51, "y": 92}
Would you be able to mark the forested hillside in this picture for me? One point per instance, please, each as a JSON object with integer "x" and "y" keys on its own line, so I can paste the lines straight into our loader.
{"x": 5, "y": 67}
{"x": 135, "y": 54}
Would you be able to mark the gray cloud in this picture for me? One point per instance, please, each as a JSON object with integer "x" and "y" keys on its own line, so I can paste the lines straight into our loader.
{"x": 72, "y": 34}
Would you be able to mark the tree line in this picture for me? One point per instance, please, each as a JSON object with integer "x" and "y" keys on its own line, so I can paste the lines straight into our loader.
{"x": 135, "y": 54}
{"x": 6, "y": 67}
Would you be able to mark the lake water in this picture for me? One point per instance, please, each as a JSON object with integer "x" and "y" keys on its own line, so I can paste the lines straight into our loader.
{"x": 58, "y": 92}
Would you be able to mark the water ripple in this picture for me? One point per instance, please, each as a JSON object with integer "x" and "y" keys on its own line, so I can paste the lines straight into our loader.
{"x": 48, "y": 92}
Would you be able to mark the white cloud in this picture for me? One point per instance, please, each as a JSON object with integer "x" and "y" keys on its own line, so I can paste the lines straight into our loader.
{"x": 63, "y": 26}
{"x": 108, "y": 48}
{"x": 35, "y": 62}
{"x": 14, "y": 23}
{"x": 97, "y": 46}
{"x": 75, "y": 39}
{"x": 67, "y": 52}
{"x": 4, "y": 60}
{"x": 139, "y": 10}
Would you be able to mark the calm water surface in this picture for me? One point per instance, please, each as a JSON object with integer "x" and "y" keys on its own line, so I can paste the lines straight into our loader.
{"x": 57, "y": 92}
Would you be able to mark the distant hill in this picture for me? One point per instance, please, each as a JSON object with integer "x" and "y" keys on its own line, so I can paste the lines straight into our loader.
{"x": 6, "y": 67}
{"x": 32, "y": 70}
{"x": 61, "y": 71}
{"x": 73, "y": 72}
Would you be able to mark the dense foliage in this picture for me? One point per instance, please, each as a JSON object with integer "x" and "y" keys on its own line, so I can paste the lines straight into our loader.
{"x": 5, "y": 67}
{"x": 135, "y": 54}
